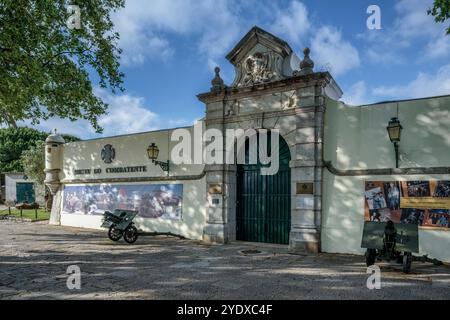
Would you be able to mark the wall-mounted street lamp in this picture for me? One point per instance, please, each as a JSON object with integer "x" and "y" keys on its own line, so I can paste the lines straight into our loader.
{"x": 394, "y": 129}
{"x": 152, "y": 152}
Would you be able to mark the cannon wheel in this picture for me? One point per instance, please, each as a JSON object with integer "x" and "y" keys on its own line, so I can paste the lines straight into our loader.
{"x": 130, "y": 235}
{"x": 370, "y": 257}
{"x": 407, "y": 259}
{"x": 114, "y": 234}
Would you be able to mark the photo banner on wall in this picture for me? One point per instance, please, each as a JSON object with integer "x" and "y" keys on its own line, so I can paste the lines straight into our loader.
{"x": 150, "y": 200}
{"x": 426, "y": 203}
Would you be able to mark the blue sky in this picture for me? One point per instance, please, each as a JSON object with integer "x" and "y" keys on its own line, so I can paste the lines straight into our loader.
{"x": 170, "y": 48}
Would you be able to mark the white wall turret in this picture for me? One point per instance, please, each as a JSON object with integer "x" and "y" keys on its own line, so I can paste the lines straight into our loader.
{"x": 53, "y": 152}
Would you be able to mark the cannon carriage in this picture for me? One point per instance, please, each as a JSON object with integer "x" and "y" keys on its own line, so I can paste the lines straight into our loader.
{"x": 390, "y": 241}
{"x": 120, "y": 223}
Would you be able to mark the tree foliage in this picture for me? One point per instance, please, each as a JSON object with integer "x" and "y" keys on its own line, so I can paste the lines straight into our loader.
{"x": 45, "y": 65}
{"x": 441, "y": 11}
{"x": 14, "y": 141}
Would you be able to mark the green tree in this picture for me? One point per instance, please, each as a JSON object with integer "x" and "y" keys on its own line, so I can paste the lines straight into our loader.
{"x": 45, "y": 64}
{"x": 441, "y": 11}
{"x": 33, "y": 162}
{"x": 13, "y": 141}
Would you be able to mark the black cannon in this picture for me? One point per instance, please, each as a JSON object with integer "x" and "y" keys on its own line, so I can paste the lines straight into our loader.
{"x": 390, "y": 241}
{"x": 120, "y": 223}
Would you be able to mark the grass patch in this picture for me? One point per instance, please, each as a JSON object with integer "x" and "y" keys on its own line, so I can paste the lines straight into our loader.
{"x": 28, "y": 213}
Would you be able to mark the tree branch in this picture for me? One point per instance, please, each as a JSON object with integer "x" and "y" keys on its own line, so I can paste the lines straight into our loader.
{"x": 66, "y": 52}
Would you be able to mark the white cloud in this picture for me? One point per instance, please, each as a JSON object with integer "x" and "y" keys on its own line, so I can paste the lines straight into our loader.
{"x": 329, "y": 49}
{"x": 219, "y": 30}
{"x": 425, "y": 85}
{"x": 356, "y": 94}
{"x": 144, "y": 27}
{"x": 292, "y": 22}
{"x": 413, "y": 19}
{"x": 80, "y": 128}
{"x": 126, "y": 114}
{"x": 439, "y": 48}
{"x": 141, "y": 45}
{"x": 411, "y": 25}
{"x": 214, "y": 26}
{"x": 379, "y": 54}
{"x": 383, "y": 46}
{"x": 414, "y": 22}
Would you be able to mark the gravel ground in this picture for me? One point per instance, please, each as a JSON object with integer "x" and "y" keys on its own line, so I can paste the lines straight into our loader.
{"x": 34, "y": 258}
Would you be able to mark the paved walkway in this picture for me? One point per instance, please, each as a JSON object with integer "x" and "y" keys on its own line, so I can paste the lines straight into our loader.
{"x": 34, "y": 258}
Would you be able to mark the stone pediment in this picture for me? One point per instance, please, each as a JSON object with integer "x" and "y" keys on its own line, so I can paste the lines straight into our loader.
{"x": 261, "y": 57}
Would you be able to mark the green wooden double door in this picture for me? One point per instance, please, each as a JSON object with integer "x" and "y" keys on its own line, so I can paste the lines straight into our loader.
{"x": 263, "y": 212}
{"x": 25, "y": 192}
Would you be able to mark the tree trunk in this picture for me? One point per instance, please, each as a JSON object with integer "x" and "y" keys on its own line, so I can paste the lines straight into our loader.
{"x": 12, "y": 123}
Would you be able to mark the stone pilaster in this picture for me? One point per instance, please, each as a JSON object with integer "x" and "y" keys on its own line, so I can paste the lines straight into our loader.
{"x": 220, "y": 225}
{"x": 306, "y": 169}
{"x": 221, "y": 207}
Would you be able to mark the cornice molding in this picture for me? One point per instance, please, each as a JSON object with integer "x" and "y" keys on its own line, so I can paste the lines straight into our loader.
{"x": 313, "y": 79}
{"x": 385, "y": 171}
{"x": 134, "y": 179}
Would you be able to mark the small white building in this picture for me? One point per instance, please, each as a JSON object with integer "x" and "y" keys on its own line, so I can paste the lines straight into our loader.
{"x": 16, "y": 187}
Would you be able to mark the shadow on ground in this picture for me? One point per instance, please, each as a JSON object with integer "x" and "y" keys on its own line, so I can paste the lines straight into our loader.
{"x": 34, "y": 258}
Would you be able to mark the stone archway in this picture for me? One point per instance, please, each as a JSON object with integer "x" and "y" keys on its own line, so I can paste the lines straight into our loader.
{"x": 263, "y": 202}
{"x": 268, "y": 94}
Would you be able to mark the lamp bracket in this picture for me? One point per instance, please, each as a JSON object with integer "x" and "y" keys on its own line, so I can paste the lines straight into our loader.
{"x": 164, "y": 165}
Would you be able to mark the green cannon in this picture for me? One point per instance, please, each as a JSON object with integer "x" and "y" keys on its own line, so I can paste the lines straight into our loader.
{"x": 390, "y": 241}
{"x": 120, "y": 223}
